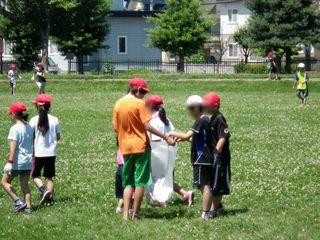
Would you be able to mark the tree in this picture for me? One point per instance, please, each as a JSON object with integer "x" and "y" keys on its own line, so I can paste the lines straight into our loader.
{"x": 84, "y": 29}
{"x": 243, "y": 38}
{"x": 221, "y": 46}
{"x": 21, "y": 31}
{"x": 283, "y": 24}
{"x": 181, "y": 29}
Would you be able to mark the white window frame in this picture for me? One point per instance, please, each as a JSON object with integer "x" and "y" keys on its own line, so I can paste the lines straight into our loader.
{"x": 50, "y": 46}
{"x": 234, "y": 16}
{"x": 229, "y": 52}
{"x": 126, "y": 45}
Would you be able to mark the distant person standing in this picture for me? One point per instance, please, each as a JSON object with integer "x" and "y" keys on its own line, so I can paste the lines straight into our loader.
{"x": 13, "y": 76}
{"x": 131, "y": 123}
{"x": 272, "y": 66}
{"x": 301, "y": 83}
{"x": 41, "y": 78}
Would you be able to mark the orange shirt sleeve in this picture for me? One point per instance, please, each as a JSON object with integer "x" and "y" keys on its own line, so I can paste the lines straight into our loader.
{"x": 144, "y": 114}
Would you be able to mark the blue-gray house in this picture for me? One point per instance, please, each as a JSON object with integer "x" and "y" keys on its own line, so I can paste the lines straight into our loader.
{"x": 128, "y": 37}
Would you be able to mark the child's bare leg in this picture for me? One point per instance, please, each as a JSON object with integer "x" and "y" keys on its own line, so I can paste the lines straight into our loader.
{"x": 24, "y": 182}
{"x": 120, "y": 203}
{"x": 305, "y": 100}
{"x": 127, "y": 194}
{"x": 206, "y": 198}
{"x": 179, "y": 190}
{"x": 14, "y": 89}
{"x": 216, "y": 201}
{"x": 138, "y": 197}
{"x": 6, "y": 183}
{"x": 50, "y": 185}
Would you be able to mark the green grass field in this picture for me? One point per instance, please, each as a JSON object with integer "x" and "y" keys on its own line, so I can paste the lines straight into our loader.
{"x": 275, "y": 165}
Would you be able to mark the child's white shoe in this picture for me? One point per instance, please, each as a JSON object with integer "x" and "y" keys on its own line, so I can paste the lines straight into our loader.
{"x": 118, "y": 210}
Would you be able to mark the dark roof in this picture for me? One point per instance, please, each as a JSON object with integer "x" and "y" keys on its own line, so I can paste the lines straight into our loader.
{"x": 124, "y": 13}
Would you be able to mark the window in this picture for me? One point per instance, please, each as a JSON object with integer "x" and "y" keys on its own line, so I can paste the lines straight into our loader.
{"x": 233, "y": 50}
{"x": 122, "y": 45}
{"x": 86, "y": 59}
{"x": 7, "y": 47}
{"x": 52, "y": 48}
{"x": 233, "y": 15}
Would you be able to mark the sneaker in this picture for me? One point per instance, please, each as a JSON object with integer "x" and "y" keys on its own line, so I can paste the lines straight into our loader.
{"x": 27, "y": 210}
{"x": 136, "y": 217}
{"x": 220, "y": 209}
{"x": 118, "y": 210}
{"x": 19, "y": 207}
{"x": 50, "y": 201}
{"x": 44, "y": 197}
{"x": 213, "y": 214}
{"x": 205, "y": 216}
{"x": 189, "y": 198}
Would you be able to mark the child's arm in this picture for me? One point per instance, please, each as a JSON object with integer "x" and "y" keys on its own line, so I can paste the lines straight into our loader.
{"x": 181, "y": 136}
{"x": 220, "y": 144}
{"x": 13, "y": 146}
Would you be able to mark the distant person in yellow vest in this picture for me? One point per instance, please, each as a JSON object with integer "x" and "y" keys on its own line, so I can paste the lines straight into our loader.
{"x": 301, "y": 83}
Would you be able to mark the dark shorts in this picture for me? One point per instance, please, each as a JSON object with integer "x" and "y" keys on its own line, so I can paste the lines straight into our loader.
{"x": 305, "y": 92}
{"x": 202, "y": 175}
{"x": 221, "y": 179}
{"x": 15, "y": 173}
{"x": 272, "y": 69}
{"x": 12, "y": 84}
{"x": 118, "y": 183}
{"x": 45, "y": 163}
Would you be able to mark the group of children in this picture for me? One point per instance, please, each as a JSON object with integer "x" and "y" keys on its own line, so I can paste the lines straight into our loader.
{"x": 210, "y": 154}
{"x": 33, "y": 150}
{"x": 39, "y": 76}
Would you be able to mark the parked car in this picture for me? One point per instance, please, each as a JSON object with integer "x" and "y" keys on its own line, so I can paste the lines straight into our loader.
{"x": 52, "y": 66}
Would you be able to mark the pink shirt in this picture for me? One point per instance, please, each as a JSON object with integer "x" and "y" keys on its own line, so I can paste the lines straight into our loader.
{"x": 119, "y": 157}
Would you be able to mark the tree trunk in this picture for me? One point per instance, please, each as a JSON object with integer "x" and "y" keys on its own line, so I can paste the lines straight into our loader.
{"x": 180, "y": 65}
{"x": 288, "y": 52}
{"x": 80, "y": 64}
{"x": 307, "y": 53}
{"x": 45, "y": 46}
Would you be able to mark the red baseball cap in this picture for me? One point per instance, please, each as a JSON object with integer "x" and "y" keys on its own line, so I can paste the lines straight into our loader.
{"x": 154, "y": 99}
{"x": 13, "y": 66}
{"x": 211, "y": 99}
{"x": 40, "y": 64}
{"x": 140, "y": 83}
{"x": 17, "y": 107}
{"x": 42, "y": 99}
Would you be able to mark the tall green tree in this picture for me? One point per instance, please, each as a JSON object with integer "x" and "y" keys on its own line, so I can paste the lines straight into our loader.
{"x": 84, "y": 28}
{"x": 283, "y": 24}
{"x": 181, "y": 29}
{"x": 21, "y": 31}
{"x": 243, "y": 38}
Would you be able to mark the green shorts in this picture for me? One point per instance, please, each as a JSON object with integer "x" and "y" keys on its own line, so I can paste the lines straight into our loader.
{"x": 137, "y": 170}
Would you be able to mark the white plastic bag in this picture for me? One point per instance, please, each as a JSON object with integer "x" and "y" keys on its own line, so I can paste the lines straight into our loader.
{"x": 162, "y": 163}
{"x": 7, "y": 168}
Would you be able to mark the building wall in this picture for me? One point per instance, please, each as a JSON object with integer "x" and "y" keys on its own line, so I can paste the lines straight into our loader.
{"x": 135, "y": 30}
{"x": 228, "y": 28}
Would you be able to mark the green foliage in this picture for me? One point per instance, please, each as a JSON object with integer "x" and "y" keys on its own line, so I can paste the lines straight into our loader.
{"x": 251, "y": 68}
{"x": 22, "y": 31}
{"x": 243, "y": 38}
{"x": 281, "y": 24}
{"x": 84, "y": 27}
{"x": 109, "y": 68}
{"x": 181, "y": 29}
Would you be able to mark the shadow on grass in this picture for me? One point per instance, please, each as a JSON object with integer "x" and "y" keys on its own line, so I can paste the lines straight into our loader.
{"x": 233, "y": 212}
{"x": 165, "y": 213}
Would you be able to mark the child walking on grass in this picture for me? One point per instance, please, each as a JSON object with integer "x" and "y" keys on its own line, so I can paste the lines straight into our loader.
{"x": 46, "y": 136}
{"x": 160, "y": 122}
{"x": 13, "y": 76}
{"x": 20, "y": 157}
{"x": 201, "y": 151}
{"x": 220, "y": 137}
{"x": 41, "y": 78}
{"x": 118, "y": 182}
{"x": 301, "y": 84}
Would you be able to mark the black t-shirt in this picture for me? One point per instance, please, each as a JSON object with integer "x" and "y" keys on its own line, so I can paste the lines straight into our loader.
{"x": 202, "y": 142}
{"x": 219, "y": 128}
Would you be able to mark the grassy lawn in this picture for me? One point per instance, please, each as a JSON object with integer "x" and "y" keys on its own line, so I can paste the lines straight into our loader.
{"x": 275, "y": 165}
